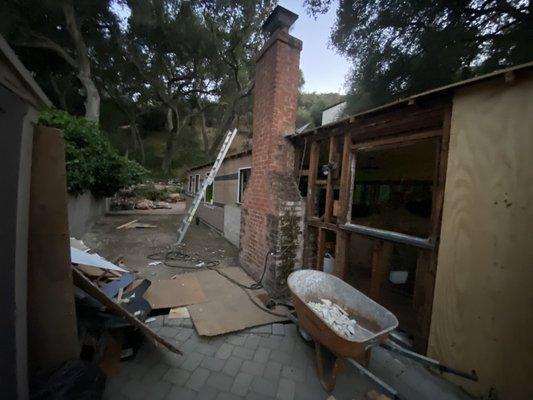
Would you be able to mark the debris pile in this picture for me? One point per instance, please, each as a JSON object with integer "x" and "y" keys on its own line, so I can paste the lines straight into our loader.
{"x": 147, "y": 196}
{"x": 335, "y": 317}
{"x": 111, "y": 309}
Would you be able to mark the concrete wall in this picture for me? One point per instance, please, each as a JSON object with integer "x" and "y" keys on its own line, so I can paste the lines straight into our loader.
{"x": 482, "y": 310}
{"x": 83, "y": 211}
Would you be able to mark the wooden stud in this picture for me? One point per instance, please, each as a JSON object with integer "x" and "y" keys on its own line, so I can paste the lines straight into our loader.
{"x": 422, "y": 268}
{"x": 341, "y": 254}
{"x": 311, "y": 181}
{"x": 329, "y": 181}
{"x": 345, "y": 183}
{"x": 380, "y": 267}
{"x": 321, "y": 244}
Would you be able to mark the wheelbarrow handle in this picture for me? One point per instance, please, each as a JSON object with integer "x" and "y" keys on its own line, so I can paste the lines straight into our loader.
{"x": 394, "y": 347}
{"x": 389, "y": 389}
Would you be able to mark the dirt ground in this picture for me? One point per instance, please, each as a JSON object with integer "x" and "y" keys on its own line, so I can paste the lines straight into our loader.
{"x": 135, "y": 245}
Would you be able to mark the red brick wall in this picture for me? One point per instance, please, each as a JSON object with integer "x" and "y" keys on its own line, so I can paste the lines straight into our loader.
{"x": 272, "y": 189}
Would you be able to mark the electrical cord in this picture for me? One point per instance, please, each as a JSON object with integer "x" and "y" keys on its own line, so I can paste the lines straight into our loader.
{"x": 168, "y": 257}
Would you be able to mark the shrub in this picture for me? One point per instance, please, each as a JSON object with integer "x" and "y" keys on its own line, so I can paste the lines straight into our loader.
{"x": 92, "y": 163}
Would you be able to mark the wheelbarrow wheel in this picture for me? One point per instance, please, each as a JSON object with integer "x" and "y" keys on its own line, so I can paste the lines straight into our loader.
{"x": 328, "y": 366}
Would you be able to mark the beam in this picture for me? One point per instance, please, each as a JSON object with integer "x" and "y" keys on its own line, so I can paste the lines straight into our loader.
{"x": 329, "y": 181}
{"x": 381, "y": 256}
{"x": 311, "y": 180}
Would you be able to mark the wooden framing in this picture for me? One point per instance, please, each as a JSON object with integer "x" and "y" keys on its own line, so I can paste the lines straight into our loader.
{"x": 311, "y": 179}
{"x": 391, "y": 129}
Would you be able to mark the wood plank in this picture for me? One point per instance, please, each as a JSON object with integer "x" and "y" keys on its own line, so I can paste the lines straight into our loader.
{"x": 398, "y": 140}
{"x": 52, "y": 331}
{"x": 341, "y": 254}
{"x": 84, "y": 284}
{"x": 311, "y": 181}
{"x": 345, "y": 180}
{"x": 329, "y": 181}
{"x": 320, "y": 252}
{"x": 381, "y": 256}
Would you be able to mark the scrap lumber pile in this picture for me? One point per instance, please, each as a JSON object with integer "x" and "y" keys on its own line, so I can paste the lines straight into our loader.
{"x": 111, "y": 309}
{"x": 147, "y": 197}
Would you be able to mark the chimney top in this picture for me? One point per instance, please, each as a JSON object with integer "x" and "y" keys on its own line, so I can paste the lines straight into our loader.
{"x": 279, "y": 18}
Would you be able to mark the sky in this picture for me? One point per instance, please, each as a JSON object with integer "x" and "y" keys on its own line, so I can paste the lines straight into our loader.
{"x": 323, "y": 68}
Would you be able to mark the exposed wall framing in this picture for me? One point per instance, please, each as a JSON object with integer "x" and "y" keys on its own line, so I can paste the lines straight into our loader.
{"x": 388, "y": 130}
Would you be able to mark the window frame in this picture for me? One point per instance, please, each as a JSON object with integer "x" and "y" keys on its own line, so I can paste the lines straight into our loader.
{"x": 196, "y": 183}
{"x": 239, "y": 183}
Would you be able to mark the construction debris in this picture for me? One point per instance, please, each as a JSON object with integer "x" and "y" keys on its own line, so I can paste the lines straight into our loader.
{"x": 333, "y": 315}
{"x": 127, "y": 224}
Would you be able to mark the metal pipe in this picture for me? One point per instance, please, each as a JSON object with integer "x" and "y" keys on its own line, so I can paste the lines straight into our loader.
{"x": 391, "y": 346}
{"x": 390, "y": 236}
{"x": 393, "y": 392}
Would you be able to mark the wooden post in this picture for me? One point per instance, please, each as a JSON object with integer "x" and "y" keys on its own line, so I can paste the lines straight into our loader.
{"x": 343, "y": 238}
{"x": 341, "y": 253}
{"x": 345, "y": 183}
{"x": 321, "y": 243}
{"x": 329, "y": 182}
{"x": 311, "y": 179}
{"x": 380, "y": 267}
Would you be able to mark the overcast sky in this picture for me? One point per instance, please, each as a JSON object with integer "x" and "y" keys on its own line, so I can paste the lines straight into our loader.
{"x": 324, "y": 70}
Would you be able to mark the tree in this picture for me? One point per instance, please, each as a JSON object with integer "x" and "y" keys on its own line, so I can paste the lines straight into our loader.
{"x": 171, "y": 48}
{"x": 71, "y": 31}
{"x": 235, "y": 28}
{"x": 400, "y": 48}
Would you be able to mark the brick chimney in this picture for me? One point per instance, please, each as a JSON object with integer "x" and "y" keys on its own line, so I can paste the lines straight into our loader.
{"x": 272, "y": 213}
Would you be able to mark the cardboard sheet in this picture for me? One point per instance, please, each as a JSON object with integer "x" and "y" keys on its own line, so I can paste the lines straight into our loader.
{"x": 181, "y": 291}
{"x": 229, "y": 309}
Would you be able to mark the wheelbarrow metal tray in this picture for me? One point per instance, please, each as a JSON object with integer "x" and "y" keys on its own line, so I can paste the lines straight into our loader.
{"x": 374, "y": 322}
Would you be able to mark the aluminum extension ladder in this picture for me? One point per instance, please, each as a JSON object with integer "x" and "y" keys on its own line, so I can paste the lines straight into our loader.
{"x": 198, "y": 198}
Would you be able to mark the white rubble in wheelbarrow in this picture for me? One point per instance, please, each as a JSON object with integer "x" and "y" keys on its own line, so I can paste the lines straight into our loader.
{"x": 335, "y": 317}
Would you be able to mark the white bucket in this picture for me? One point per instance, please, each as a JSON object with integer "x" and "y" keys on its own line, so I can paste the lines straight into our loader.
{"x": 329, "y": 263}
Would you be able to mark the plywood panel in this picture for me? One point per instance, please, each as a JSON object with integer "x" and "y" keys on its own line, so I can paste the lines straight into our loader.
{"x": 482, "y": 313}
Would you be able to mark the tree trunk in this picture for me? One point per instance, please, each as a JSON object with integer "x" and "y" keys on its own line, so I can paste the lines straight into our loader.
{"x": 92, "y": 97}
{"x": 204, "y": 134}
{"x": 61, "y": 94}
{"x": 169, "y": 148}
{"x": 228, "y": 121}
{"x": 137, "y": 140}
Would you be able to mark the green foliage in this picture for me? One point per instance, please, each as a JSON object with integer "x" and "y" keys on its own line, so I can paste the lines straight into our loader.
{"x": 311, "y": 105}
{"x": 92, "y": 163}
{"x": 399, "y": 47}
{"x": 150, "y": 192}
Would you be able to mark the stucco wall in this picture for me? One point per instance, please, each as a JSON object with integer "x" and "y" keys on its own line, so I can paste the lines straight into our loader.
{"x": 83, "y": 211}
{"x": 224, "y": 213}
{"x": 482, "y": 311}
{"x": 232, "y": 223}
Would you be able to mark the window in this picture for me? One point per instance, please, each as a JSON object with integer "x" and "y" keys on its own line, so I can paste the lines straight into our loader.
{"x": 191, "y": 183}
{"x": 209, "y": 193}
{"x": 196, "y": 183}
{"x": 244, "y": 177}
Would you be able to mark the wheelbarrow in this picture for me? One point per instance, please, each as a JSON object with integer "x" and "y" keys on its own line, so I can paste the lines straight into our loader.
{"x": 375, "y": 326}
